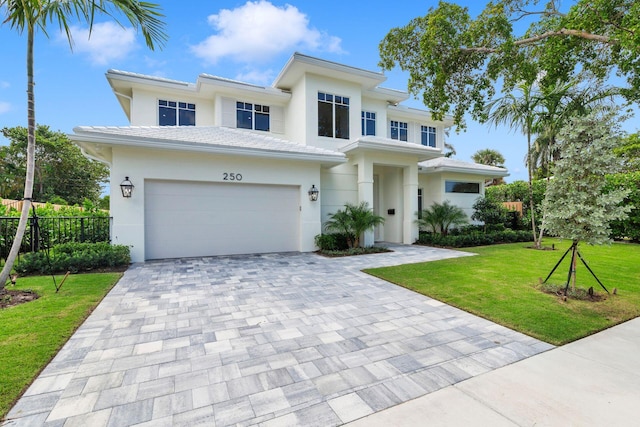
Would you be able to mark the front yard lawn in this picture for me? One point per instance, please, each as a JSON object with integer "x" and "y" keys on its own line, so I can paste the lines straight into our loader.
{"x": 501, "y": 284}
{"x": 32, "y": 333}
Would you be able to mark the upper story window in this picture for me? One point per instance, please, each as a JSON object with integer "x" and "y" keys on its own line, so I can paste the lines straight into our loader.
{"x": 399, "y": 130}
{"x": 368, "y": 123}
{"x": 333, "y": 116}
{"x": 462, "y": 187}
{"x": 428, "y": 136}
{"x": 252, "y": 116}
{"x": 172, "y": 113}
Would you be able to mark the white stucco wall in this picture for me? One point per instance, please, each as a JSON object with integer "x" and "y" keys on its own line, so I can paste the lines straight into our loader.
{"x": 433, "y": 186}
{"x": 144, "y": 106}
{"x": 140, "y": 165}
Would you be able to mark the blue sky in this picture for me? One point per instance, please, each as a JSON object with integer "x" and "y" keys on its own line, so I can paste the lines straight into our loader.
{"x": 249, "y": 41}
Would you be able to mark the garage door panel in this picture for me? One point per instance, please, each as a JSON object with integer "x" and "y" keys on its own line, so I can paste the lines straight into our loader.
{"x": 185, "y": 219}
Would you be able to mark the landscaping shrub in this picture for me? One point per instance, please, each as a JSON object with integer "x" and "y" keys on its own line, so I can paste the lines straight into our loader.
{"x": 332, "y": 242}
{"x": 491, "y": 213}
{"x": 474, "y": 238}
{"x": 630, "y": 227}
{"x": 74, "y": 257}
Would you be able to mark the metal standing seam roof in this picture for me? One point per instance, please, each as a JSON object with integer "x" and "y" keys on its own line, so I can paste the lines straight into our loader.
{"x": 205, "y": 136}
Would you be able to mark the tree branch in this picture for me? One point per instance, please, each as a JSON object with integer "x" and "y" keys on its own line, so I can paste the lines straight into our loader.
{"x": 548, "y": 34}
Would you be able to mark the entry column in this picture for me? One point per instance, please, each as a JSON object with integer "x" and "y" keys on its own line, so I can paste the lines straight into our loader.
{"x": 409, "y": 226}
{"x": 365, "y": 193}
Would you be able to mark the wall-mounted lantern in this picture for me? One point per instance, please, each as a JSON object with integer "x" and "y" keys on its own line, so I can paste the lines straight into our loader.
{"x": 313, "y": 193}
{"x": 127, "y": 187}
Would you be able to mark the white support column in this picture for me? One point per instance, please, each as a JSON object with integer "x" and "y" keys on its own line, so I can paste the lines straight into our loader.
{"x": 365, "y": 192}
{"x": 409, "y": 226}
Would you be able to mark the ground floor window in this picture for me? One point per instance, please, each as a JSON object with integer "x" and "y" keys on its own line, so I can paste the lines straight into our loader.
{"x": 419, "y": 203}
{"x": 462, "y": 187}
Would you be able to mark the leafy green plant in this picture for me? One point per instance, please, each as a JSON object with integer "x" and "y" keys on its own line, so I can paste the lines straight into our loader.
{"x": 353, "y": 221}
{"x": 474, "y": 238}
{"x": 440, "y": 217}
{"x": 489, "y": 212}
{"x": 74, "y": 257}
{"x": 331, "y": 242}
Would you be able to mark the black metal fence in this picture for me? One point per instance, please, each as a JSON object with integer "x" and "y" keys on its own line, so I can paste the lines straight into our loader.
{"x": 45, "y": 232}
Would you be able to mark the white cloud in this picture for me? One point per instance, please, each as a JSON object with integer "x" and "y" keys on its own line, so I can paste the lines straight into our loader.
{"x": 257, "y": 77}
{"x": 108, "y": 42}
{"x": 4, "y": 107}
{"x": 258, "y": 30}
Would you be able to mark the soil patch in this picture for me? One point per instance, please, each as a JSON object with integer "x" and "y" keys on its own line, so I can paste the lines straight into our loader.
{"x": 10, "y": 298}
{"x": 575, "y": 294}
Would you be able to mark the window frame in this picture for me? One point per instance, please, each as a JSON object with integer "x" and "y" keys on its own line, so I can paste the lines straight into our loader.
{"x": 425, "y": 133}
{"x": 368, "y": 118}
{"x": 401, "y": 129}
{"x": 339, "y": 108}
{"x": 461, "y": 187}
{"x": 184, "y": 113}
{"x": 251, "y": 113}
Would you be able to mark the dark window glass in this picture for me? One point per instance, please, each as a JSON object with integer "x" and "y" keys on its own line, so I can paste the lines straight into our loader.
{"x": 325, "y": 119}
{"x": 167, "y": 116}
{"x": 368, "y": 123}
{"x": 399, "y": 130}
{"x": 462, "y": 187}
{"x": 342, "y": 121}
{"x": 428, "y": 136}
{"x": 262, "y": 121}
{"x": 187, "y": 118}
{"x": 419, "y": 203}
{"x": 244, "y": 119}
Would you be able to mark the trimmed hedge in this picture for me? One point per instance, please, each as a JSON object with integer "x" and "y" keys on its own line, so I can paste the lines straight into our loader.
{"x": 474, "y": 238}
{"x": 332, "y": 242}
{"x": 74, "y": 257}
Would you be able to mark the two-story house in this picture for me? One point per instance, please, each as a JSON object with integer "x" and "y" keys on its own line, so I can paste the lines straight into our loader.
{"x": 224, "y": 167}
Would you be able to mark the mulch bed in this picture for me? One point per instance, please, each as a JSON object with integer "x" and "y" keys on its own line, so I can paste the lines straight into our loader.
{"x": 10, "y": 298}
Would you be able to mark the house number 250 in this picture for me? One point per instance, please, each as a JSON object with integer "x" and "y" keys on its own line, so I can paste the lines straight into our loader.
{"x": 227, "y": 176}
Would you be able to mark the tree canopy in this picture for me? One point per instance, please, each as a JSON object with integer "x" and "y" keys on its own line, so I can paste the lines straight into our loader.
{"x": 488, "y": 156}
{"x": 61, "y": 171}
{"x": 456, "y": 61}
{"x": 576, "y": 207}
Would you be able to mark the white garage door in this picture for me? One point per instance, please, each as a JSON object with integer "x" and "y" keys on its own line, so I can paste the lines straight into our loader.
{"x": 187, "y": 219}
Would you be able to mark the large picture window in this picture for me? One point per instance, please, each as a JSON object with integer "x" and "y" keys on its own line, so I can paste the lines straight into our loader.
{"x": 368, "y": 123}
{"x": 333, "y": 116}
{"x": 428, "y": 136}
{"x": 399, "y": 130}
{"x": 172, "y": 113}
{"x": 462, "y": 187}
{"x": 252, "y": 116}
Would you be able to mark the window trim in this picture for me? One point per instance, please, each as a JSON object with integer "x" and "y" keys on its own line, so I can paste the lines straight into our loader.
{"x": 338, "y": 104}
{"x": 462, "y": 187}
{"x": 254, "y": 111}
{"x": 178, "y": 107}
{"x": 368, "y": 117}
{"x": 428, "y": 131}
{"x": 401, "y": 128}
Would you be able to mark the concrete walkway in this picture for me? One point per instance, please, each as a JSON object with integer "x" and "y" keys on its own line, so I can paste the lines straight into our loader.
{"x": 269, "y": 340}
{"x": 591, "y": 382}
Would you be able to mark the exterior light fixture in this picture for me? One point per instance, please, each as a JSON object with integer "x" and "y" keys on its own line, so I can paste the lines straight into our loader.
{"x": 313, "y": 193}
{"x": 127, "y": 187}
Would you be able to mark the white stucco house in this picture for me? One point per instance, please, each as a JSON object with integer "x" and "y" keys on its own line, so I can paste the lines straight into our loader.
{"x": 225, "y": 167}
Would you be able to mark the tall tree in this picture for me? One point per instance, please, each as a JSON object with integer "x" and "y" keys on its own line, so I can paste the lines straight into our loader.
{"x": 61, "y": 170}
{"x": 629, "y": 151}
{"x": 455, "y": 62}
{"x": 518, "y": 110}
{"x": 32, "y": 15}
{"x": 490, "y": 157}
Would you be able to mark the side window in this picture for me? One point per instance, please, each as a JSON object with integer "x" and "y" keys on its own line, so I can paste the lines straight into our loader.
{"x": 368, "y": 123}
{"x": 172, "y": 113}
{"x": 462, "y": 187}
{"x": 428, "y": 136}
{"x": 252, "y": 116}
{"x": 333, "y": 116}
{"x": 419, "y": 203}
{"x": 399, "y": 130}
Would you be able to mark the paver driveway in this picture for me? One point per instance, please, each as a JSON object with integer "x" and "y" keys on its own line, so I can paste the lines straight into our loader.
{"x": 278, "y": 339}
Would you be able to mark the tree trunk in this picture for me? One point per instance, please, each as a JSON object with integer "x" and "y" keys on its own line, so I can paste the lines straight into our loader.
{"x": 31, "y": 147}
{"x": 536, "y": 242}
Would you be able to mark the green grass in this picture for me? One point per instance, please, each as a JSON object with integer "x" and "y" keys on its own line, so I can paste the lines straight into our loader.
{"x": 32, "y": 333}
{"x": 501, "y": 284}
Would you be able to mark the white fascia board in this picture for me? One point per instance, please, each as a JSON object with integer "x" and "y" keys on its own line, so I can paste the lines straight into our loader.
{"x": 468, "y": 171}
{"x": 134, "y": 79}
{"x": 234, "y": 86}
{"x": 328, "y": 159}
{"x": 400, "y": 110}
{"x": 392, "y": 96}
{"x": 406, "y": 148}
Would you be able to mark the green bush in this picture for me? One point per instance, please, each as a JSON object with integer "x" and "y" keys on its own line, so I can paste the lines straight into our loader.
{"x": 474, "y": 238}
{"x": 332, "y": 242}
{"x": 628, "y": 228}
{"x": 74, "y": 257}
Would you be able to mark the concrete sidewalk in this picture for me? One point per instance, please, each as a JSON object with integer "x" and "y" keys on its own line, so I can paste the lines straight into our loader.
{"x": 591, "y": 382}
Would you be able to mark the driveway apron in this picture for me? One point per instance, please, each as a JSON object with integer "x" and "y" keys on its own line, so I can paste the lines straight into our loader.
{"x": 270, "y": 340}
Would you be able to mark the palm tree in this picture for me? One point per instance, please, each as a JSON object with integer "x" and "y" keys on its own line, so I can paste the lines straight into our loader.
{"x": 353, "y": 221}
{"x": 29, "y": 16}
{"x": 439, "y": 217}
{"x": 520, "y": 112}
{"x": 489, "y": 157}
